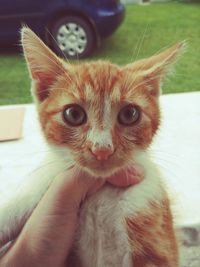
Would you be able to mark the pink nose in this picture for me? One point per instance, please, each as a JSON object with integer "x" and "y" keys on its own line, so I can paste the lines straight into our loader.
{"x": 102, "y": 153}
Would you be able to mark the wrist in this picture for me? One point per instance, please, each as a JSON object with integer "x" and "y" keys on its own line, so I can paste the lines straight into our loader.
{"x": 21, "y": 255}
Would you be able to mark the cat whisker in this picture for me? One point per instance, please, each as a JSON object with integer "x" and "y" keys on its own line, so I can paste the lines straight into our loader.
{"x": 36, "y": 152}
{"x": 141, "y": 42}
{"x": 133, "y": 80}
{"x": 145, "y": 82}
{"x": 64, "y": 55}
{"x": 52, "y": 89}
{"x": 156, "y": 152}
{"x": 168, "y": 165}
{"x": 45, "y": 165}
{"x": 35, "y": 50}
{"x": 136, "y": 54}
{"x": 41, "y": 166}
{"x": 53, "y": 61}
{"x": 139, "y": 45}
{"x": 64, "y": 89}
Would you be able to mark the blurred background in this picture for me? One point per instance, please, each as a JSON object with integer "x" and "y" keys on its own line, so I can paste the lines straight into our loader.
{"x": 120, "y": 31}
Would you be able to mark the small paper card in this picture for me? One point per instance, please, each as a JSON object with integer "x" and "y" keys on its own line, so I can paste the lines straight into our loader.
{"x": 11, "y": 123}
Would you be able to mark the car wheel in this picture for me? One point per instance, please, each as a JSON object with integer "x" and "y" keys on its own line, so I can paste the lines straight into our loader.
{"x": 72, "y": 37}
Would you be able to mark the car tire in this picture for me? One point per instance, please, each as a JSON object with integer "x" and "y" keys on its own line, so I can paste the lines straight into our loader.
{"x": 72, "y": 37}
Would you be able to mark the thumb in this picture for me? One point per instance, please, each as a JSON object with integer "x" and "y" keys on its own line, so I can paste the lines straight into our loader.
{"x": 73, "y": 187}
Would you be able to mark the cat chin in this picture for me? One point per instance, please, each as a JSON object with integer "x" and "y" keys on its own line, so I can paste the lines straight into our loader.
{"x": 96, "y": 173}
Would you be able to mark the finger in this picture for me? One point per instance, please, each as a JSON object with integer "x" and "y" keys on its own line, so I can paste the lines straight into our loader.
{"x": 98, "y": 183}
{"x": 73, "y": 187}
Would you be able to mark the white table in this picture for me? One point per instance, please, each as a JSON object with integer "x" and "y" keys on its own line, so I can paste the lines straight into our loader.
{"x": 176, "y": 149}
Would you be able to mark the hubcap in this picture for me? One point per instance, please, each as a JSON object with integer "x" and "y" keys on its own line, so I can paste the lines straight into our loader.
{"x": 72, "y": 39}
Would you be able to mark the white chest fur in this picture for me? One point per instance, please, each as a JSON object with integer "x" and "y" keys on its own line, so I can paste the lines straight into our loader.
{"x": 102, "y": 239}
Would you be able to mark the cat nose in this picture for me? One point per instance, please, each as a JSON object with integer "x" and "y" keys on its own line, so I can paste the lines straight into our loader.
{"x": 102, "y": 153}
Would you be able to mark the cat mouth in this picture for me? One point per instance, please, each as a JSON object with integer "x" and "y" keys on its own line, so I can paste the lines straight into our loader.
{"x": 103, "y": 168}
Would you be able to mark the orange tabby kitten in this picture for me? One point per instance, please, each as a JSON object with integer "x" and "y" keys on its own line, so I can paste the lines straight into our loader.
{"x": 103, "y": 117}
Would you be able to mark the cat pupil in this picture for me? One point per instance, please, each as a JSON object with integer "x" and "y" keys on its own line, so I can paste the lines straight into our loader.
{"x": 129, "y": 114}
{"x": 75, "y": 114}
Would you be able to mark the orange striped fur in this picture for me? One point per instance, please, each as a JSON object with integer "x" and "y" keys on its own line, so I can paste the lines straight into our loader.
{"x": 91, "y": 85}
{"x": 152, "y": 237}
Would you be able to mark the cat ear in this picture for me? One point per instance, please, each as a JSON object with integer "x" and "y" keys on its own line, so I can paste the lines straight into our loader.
{"x": 156, "y": 67}
{"x": 44, "y": 66}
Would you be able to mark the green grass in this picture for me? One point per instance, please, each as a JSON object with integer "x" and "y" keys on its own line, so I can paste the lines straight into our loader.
{"x": 145, "y": 31}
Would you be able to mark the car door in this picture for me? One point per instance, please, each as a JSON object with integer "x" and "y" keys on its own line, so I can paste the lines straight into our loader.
{"x": 14, "y": 13}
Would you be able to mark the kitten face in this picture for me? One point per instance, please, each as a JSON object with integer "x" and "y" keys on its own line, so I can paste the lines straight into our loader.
{"x": 102, "y": 91}
{"x": 102, "y": 113}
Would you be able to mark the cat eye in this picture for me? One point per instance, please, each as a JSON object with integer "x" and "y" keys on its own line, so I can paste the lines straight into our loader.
{"x": 74, "y": 115}
{"x": 129, "y": 115}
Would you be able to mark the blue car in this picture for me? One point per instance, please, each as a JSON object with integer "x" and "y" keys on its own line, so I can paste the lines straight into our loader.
{"x": 72, "y": 28}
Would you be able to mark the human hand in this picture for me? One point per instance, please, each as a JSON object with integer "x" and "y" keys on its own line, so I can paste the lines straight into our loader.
{"x": 48, "y": 235}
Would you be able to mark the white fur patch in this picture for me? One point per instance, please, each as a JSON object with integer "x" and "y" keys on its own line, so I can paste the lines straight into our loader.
{"x": 102, "y": 237}
{"x": 103, "y": 137}
{"x": 116, "y": 94}
{"x": 89, "y": 93}
{"x": 107, "y": 114}
{"x": 100, "y": 137}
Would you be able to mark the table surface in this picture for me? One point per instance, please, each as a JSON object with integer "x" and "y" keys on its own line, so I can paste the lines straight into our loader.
{"x": 176, "y": 149}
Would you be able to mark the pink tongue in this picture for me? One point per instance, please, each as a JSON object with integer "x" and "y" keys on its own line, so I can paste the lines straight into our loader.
{"x": 130, "y": 176}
